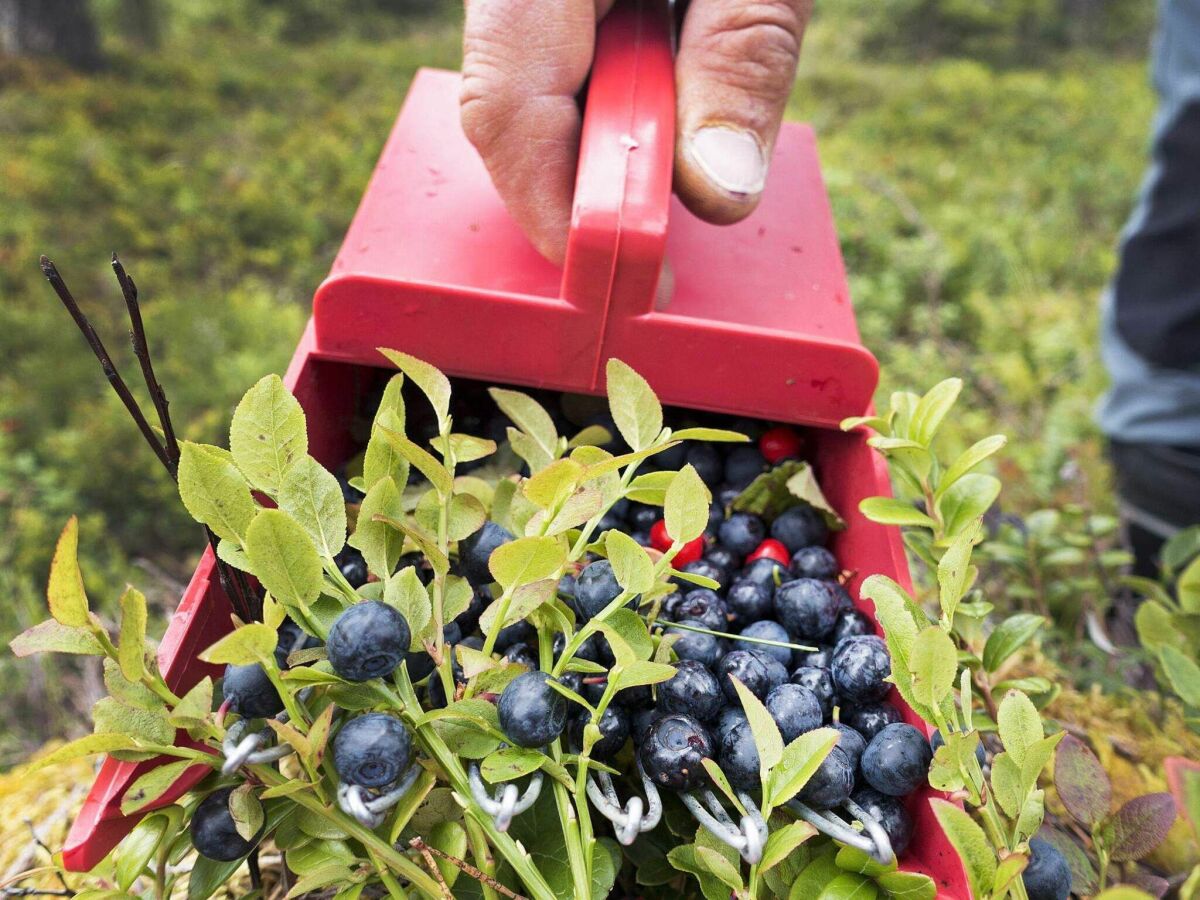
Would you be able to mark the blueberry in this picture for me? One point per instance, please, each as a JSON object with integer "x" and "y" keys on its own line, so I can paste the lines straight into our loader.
{"x": 672, "y": 750}
{"x": 831, "y": 784}
{"x": 800, "y": 526}
{"x": 214, "y": 833}
{"x": 936, "y": 740}
{"x": 767, "y": 573}
{"x": 594, "y": 649}
{"x": 871, "y": 719}
{"x": 452, "y": 633}
{"x": 707, "y": 463}
{"x": 889, "y": 813}
{"x": 372, "y": 750}
{"x": 739, "y": 757}
{"x": 842, "y": 596}
{"x": 566, "y": 589}
{"x": 352, "y": 566}
{"x": 637, "y": 697}
{"x": 777, "y": 672}
{"x": 437, "y": 690}
{"x": 768, "y": 630}
{"x": 728, "y": 717}
{"x": 642, "y": 538}
{"x": 522, "y": 655}
{"x": 595, "y": 588}
{"x": 475, "y": 551}
{"x": 821, "y": 658}
{"x": 1047, "y": 875}
{"x": 608, "y": 522}
{"x": 468, "y": 619}
{"x": 723, "y": 557}
{"x": 699, "y": 604}
{"x": 641, "y": 721}
{"x": 642, "y": 517}
{"x": 742, "y": 532}
{"x": 851, "y": 623}
{"x": 748, "y": 668}
{"x": 614, "y": 732}
{"x": 748, "y": 602}
{"x": 475, "y": 642}
{"x": 814, "y": 562}
{"x": 419, "y": 664}
{"x": 725, "y": 497}
{"x": 706, "y": 568}
{"x": 743, "y": 465}
{"x": 795, "y": 710}
{"x": 704, "y": 648}
{"x": 820, "y": 682}
{"x": 806, "y": 608}
{"x": 291, "y": 637}
{"x": 693, "y": 690}
{"x": 860, "y": 665}
{"x": 519, "y": 632}
{"x": 532, "y": 713}
{"x": 851, "y": 743}
{"x": 367, "y": 641}
{"x": 672, "y": 459}
{"x": 896, "y": 761}
{"x": 249, "y": 692}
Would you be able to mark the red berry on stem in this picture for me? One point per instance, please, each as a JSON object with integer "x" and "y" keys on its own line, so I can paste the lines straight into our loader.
{"x": 689, "y": 552}
{"x": 779, "y": 443}
{"x": 659, "y": 539}
{"x": 770, "y": 549}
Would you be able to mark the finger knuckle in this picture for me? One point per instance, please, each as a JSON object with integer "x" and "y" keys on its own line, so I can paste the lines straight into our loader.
{"x": 755, "y": 45}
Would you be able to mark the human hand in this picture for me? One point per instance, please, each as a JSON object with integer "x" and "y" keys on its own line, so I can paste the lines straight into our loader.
{"x": 524, "y": 62}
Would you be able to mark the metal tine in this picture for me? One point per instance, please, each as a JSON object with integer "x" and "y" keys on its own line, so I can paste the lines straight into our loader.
{"x": 508, "y": 801}
{"x": 873, "y": 840}
{"x": 636, "y": 817}
{"x": 747, "y": 839}
{"x": 240, "y": 749}
{"x": 370, "y": 810}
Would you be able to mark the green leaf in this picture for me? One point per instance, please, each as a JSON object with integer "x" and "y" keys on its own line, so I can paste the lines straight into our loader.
{"x": 970, "y": 458}
{"x": 1123, "y": 892}
{"x": 635, "y": 408}
{"x": 284, "y": 558}
{"x": 1033, "y": 812}
{"x": 424, "y": 461}
{"x": 932, "y": 409}
{"x": 590, "y": 436}
{"x": 88, "y": 745}
{"x": 1188, "y": 587}
{"x": 851, "y": 859}
{"x": 138, "y": 847}
{"x": 131, "y": 651}
{"x": 631, "y": 564}
{"x": 766, "y": 732}
{"x": 526, "y": 560}
{"x": 405, "y": 592}
{"x": 253, "y": 643}
{"x": 469, "y": 727}
{"x": 465, "y": 515}
{"x": 1082, "y": 784}
{"x": 782, "y": 842}
{"x": 317, "y": 879}
{"x": 955, "y": 572}
{"x": 978, "y": 858}
{"x": 650, "y": 488}
{"x": 68, "y": 602}
{"x": 525, "y": 600}
{"x": 509, "y": 763}
{"x": 577, "y": 509}
{"x": 875, "y": 423}
{"x": 890, "y": 511}
{"x": 907, "y": 886}
{"x": 710, "y": 434}
{"x": 686, "y": 506}
{"x": 466, "y": 448}
{"x": 246, "y": 810}
{"x": 53, "y": 637}
{"x": 147, "y": 726}
{"x": 267, "y": 434}
{"x": 433, "y": 384}
{"x": 313, "y": 498}
{"x": 966, "y": 500}
{"x": 1183, "y": 673}
{"x": 152, "y": 785}
{"x": 1141, "y": 825}
{"x": 379, "y": 543}
{"x": 642, "y": 672}
{"x": 231, "y": 554}
{"x": 1007, "y": 872}
{"x": 934, "y": 663}
{"x": 1019, "y": 724}
{"x": 529, "y": 416}
{"x": 553, "y": 484}
{"x": 1009, "y": 637}
{"x": 1156, "y": 626}
{"x": 1006, "y": 784}
{"x": 214, "y": 492}
{"x": 799, "y": 760}
{"x": 194, "y": 706}
{"x": 380, "y": 460}
{"x": 628, "y": 635}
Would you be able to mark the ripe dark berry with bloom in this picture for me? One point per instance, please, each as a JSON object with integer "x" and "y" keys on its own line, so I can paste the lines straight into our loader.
{"x": 742, "y": 532}
{"x": 814, "y": 562}
{"x": 723, "y": 557}
{"x": 700, "y": 604}
{"x": 642, "y": 517}
{"x": 890, "y": 813}
{"x": 475, "y": 551}
{"x": 739, "y": 757}
{"x": 291, "y": 637}
{"x": 532, "y": 713}
{"x": 806, "y": 608}
{"x": 1047, "y": 875}
{"x": 800, "y": 526}
{"x": 871, "y": 719}
{"x": 519, "y": 632}
{"x": 820, "y": 682}
{"x": 851, "y": 743}
{"x": 770, "y": 549}
{"x": 831, "y": 784}
{"x": 672, "y": 751}
{"x": 614, "y": 732}
{"x": 595, "y": 588}
{"x": 896, "y": 761}
{"x": 795, "y": 710}
{"x": 777, "y": 672}
{"x": 705, "y": 568}
{"x": 821, "y": 658}
{"x": 748, "y": 602}
{"x": 850, "y": 623}
{"x": 743, "y": 465}
{"x": 748, "y": 668}
{"x": 214, "y": 833}
{"x": 353, "y": 567}
{"x": 522, "y": 655}
{"x": 368, "y": 640}
{"x": 707, "y": 462}
{"x": 766, "y": 573}
{"x": 249, "y": 692}
{"x": 697, "y": 645}
{"x": 780, "y": 443}
{"x": 728, "y": 717}
{"x": 372, "y": 750}
{"x": 693, "y": 690}
{"x": 767, "y": 630}
{"x": 860, "y": 664}
{"x": 640, "y": 722}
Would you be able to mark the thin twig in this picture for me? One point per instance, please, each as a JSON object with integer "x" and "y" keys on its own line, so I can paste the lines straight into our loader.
{"x": 425, "y": 850}
{"x": 49, "y": 853}
{"x": 255, "y": 874}
{"x": 36, "y": 892}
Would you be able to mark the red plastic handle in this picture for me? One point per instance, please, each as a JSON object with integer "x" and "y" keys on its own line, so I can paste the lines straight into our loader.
{"x": 623, "y": 187}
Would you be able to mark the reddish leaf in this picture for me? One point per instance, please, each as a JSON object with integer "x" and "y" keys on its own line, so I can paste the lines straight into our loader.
{"x": 1151, "y": 884}
{"x": 1081, "y": 781}
{"x": 1183, "y": 778}
{"x": 1141, "y": 825}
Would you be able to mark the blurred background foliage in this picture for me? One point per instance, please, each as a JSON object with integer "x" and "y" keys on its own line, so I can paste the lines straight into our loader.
{"x": 981, "y": 157}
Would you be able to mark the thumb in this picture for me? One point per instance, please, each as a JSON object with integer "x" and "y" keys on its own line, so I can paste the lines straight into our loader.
{"x": 734, "y": 71}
